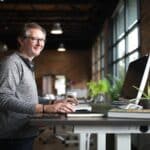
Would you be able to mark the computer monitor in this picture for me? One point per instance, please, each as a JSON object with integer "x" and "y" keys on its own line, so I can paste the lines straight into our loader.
{"x": 134, "y": 78}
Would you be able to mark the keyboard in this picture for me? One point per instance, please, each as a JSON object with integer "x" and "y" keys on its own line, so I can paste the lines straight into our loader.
{"x": 83, "y": 108}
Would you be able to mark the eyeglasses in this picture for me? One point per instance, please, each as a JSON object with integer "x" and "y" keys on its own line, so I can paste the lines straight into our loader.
{"x": 34, "y": 39}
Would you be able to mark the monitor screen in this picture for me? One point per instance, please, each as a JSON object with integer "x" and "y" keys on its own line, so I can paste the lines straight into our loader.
{"x": 133, "y": 78}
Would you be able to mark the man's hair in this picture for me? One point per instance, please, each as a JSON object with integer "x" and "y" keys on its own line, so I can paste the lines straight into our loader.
{"x": 28, "y": 26}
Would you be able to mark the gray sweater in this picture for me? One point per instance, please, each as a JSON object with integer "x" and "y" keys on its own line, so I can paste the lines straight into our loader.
{"x": 18, "y": 96}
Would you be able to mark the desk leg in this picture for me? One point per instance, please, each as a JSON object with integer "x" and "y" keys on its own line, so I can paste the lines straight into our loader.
{"x": 123, "y": 141}
{"x": 84, "y": 141}
{"x": 101, "y": 141}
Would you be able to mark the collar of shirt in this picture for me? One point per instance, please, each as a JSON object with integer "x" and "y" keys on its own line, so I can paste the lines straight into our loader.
{"x": 29, "y": 63}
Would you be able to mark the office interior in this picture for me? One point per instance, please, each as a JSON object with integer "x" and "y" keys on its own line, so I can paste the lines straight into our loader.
{"x": 100, "y": 37}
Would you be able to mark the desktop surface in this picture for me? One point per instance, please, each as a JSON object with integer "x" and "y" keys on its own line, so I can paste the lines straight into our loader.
{"x": 61, "y": 119}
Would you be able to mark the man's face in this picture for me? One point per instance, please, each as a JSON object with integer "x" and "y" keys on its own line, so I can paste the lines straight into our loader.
{"x": 33, "y": 43}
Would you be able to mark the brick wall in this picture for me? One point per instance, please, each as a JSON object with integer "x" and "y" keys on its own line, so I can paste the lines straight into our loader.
{"x": 75, "y": 65}
{"x": 145, "y": 26}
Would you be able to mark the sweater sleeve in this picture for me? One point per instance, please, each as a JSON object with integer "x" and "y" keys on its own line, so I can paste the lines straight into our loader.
{"x": 10, "y": 76}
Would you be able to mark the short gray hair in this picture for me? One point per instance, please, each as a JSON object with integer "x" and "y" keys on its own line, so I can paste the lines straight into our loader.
{"x": 31, "y": 25}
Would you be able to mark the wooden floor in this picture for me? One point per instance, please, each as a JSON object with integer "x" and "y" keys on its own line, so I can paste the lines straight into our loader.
{"x": 53, "y": 144}
{"x": 48, "y": 141}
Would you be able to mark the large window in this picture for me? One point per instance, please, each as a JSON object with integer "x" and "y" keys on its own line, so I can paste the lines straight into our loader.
{"x": 102, "y": 57}
{"x": 125, "y": 43}
{"x": 96, "y": 61}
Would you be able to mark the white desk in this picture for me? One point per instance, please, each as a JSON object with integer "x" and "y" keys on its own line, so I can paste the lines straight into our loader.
{"x": 122, "y": 128}
{"x": 122, "y": 136}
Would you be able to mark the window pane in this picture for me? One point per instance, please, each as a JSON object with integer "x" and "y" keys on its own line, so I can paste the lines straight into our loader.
{"x": 114, "y": 70}
{"x": 114, "y": 30}
{"x": 133, "y": 57}
{"x": 120, "y": 68}
{"x": 102, "y": 46}
{"x": 120, "y": 23}
{"x": 102, "y": 74}
{"x": 121, "y": 49}
{"x": 132, "y": 40}
{"x": 102, "y": 62}
{"x": 114, "y": 53}
{"x": 99, "y": 66}
{"x": 131, "y": 13}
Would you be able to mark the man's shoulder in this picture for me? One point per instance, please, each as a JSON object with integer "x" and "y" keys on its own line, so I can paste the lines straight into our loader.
{"x": 13, "y": 57}
{"x": 10, "y": 60}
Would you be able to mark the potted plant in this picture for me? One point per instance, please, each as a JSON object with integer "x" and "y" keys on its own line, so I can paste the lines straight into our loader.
{"x": 104, "y": 91}
{"x": 98, "y": 92}
{"x": 116, "y": 87}
{"x": 96, "y": 88}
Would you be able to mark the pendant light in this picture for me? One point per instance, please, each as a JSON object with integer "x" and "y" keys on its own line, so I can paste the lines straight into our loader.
{"x": 61, "y": 48}
{"x": 56, "y": 29}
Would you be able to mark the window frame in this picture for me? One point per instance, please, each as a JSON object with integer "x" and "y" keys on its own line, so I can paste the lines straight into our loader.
{"x": 116, "y": 40}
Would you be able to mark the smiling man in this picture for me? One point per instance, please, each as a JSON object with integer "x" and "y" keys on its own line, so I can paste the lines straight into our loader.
{"x": 18, "y": 91}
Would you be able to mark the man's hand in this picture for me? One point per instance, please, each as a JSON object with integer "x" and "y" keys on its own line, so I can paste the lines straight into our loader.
{"x": 62, "y": 107}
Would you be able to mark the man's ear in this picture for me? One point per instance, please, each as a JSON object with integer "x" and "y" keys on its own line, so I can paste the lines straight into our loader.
{"x": 20, "y": 40}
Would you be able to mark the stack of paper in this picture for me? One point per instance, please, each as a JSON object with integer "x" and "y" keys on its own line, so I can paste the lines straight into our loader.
{"x": 129, "y": 113}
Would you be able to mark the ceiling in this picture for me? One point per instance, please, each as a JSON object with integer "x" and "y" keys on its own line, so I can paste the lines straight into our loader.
{"x": 81, "y": 20}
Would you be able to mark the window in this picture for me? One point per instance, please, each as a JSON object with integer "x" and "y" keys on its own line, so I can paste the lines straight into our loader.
{"x": 125, "y": 43}
{"x": 54, "y": 85}
{"x": 96, "y": 61}
{"x": 102, "y": 57}
{"x": 60, "y": 84}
